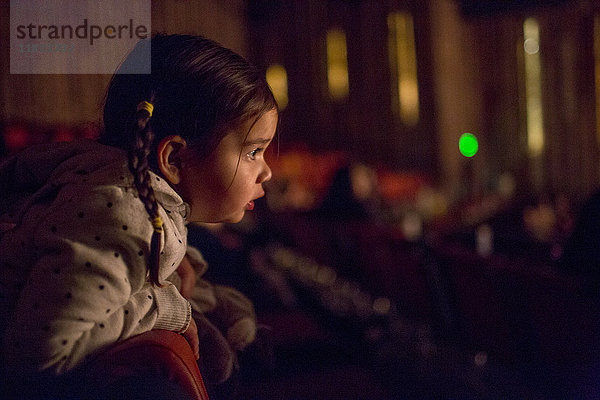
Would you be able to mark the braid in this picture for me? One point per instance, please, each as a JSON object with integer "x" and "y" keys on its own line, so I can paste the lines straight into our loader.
{"x": 139, "y": 151}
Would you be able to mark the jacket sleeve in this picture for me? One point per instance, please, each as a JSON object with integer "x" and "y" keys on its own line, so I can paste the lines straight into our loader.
{"x": 88, "y": 288}
{"x": 203, "y": 298}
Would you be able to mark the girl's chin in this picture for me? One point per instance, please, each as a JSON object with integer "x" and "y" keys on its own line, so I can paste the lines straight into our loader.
{"x": 234, "y": 219}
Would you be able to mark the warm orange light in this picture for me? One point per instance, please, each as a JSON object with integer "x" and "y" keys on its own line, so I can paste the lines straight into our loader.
{"x": 337, "y": 64}
{"x": 278, "y": 81}
{"x": 533, "y": 87}
{"x": 403, "y": 64}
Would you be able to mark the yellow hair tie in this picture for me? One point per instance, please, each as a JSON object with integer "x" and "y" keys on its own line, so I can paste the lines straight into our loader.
{"x": 144, "y": 105}
{"x": 157, "y": 224}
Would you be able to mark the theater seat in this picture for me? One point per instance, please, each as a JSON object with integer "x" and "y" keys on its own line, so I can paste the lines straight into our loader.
{"x": 159, "y": 360}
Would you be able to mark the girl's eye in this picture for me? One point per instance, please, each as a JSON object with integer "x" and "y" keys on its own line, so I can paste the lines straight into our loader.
{"x": 252, "y": 155}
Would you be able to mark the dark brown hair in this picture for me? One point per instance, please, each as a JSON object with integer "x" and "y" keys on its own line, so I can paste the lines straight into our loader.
{"x": 199, "y": 90}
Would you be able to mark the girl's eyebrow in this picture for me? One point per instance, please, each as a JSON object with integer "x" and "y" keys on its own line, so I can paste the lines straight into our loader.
{"x": 257, "y": 141}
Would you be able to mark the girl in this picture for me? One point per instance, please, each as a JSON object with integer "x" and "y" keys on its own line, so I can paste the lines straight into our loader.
{"x": 92, "y": 231}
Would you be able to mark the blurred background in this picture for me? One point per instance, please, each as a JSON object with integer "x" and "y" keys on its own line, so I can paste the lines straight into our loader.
{"x": 432, "y": 228}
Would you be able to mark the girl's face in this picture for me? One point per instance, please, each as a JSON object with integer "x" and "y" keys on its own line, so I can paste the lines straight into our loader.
{"x": 223, "y": 185}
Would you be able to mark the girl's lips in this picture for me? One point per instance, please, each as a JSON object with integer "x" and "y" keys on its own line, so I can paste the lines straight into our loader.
{"x": 250, "y": 204}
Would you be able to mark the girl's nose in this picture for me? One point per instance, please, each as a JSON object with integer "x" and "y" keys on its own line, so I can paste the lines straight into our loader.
{"x": 265, "y": 175}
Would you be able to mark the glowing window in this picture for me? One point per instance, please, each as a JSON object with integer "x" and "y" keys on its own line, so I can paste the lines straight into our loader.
{"x": 533, "y": 87}
{"x": 403, "y": 64}
{"x": 277, "y": 80}
{"x": 337, "y": 64}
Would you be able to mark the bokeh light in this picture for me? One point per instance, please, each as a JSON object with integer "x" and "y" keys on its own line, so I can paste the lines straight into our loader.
{"x": 468, "y": 144}
{"x": 278, "y": 81}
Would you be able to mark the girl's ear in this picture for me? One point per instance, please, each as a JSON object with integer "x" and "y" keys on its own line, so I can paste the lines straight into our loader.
{"x": 169, "y": 157}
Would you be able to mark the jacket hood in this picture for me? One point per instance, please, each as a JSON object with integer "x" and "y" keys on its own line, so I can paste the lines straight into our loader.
{"x": 39, "y": 171}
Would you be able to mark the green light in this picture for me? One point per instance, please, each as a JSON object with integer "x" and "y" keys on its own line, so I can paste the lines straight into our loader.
{"x": 468, "y": 145}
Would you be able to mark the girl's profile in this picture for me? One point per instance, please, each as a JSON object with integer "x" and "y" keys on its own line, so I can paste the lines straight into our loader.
{"x": 93, "y": 241}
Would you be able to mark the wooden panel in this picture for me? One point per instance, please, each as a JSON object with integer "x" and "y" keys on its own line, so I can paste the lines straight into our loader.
{"x": 72, "y": 99}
